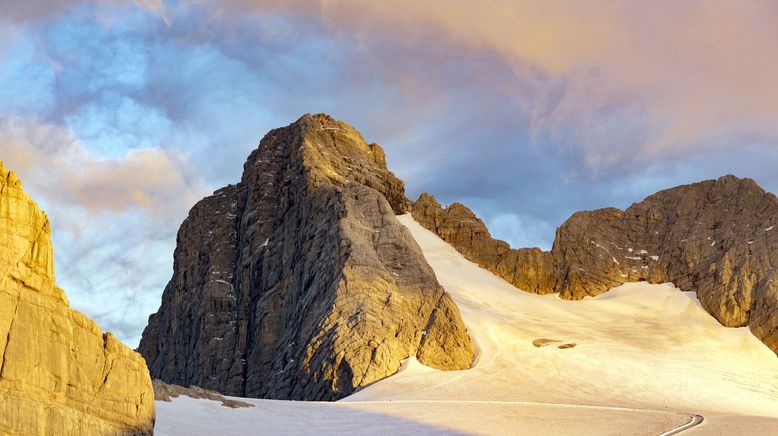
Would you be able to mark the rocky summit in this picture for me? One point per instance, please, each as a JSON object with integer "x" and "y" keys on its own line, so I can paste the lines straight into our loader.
{"x": 59, "y": 373}
{"x": 299, "y": 282}
{"x": 717, "y": 237}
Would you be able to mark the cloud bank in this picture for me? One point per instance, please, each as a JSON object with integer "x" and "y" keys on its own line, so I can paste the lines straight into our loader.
{"x": 662, "y": 78}
{"x": 120, "y": 115}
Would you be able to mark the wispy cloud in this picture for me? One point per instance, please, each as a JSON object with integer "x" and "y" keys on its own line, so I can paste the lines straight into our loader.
{"x": 616, "y": 81}
{"x": 119, "y": 115}
{"x": 65, "y": 172}
{"x": 113, "y": 218}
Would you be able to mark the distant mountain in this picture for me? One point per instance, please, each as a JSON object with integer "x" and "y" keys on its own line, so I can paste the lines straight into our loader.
{"x": 59, "y": 373}
{"x": 299, "y": 282}
{"x": 716, "y": 237}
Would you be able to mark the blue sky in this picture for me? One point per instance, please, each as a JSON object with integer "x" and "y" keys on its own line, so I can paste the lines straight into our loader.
{"x": 118, "y": 117}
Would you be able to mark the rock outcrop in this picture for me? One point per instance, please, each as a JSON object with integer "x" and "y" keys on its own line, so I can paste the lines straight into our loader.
{"x": 166, "y": 392}
{"x": 299, "y": 282}
{"x": 530, "y": 269}
{"x": 59, "y": 373}
{"x": 717, "y": 237}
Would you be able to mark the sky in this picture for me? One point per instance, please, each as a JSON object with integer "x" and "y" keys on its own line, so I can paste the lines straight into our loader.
{"x": 119, "y": 116}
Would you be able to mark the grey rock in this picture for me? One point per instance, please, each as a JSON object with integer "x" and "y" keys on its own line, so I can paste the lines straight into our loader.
{"x": 530, "y": 269}
{"x": 299, "y": 282}
{"x": 716, "y": 237}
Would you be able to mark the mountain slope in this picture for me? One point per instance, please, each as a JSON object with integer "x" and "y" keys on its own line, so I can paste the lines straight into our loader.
{"x": 59, "y": 373}
{"x": 646, "y": 357}
{"x": 714, "y": 237}
{"x": 299, "y": 282}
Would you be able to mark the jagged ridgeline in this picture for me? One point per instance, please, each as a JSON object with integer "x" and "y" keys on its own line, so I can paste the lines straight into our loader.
{"x": 299, "y": 282}
{"x": 59, "y": 373}
{"x": 716, "y": 237}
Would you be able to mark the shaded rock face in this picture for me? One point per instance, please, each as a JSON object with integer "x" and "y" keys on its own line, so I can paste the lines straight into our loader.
{"x": 717, "y": 237}
{"x": 59, "y": 373}
{"x": 299, "y": 282}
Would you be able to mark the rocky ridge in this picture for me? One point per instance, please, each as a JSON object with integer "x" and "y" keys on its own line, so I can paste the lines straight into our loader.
{"x": 299, "y": 282}
{"x": 59, "y": 373}
{"x": 716, "y": 237}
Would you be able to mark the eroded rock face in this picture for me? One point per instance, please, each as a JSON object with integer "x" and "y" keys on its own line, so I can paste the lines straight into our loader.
{"x": 59, "y": 373}
{"x": 717, "y": 237}
{"x": 530, "y": 269}
{"x": 299, "y": 282}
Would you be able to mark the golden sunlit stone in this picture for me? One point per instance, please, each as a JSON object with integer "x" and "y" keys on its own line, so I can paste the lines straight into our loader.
{"x": 59, "y": 373}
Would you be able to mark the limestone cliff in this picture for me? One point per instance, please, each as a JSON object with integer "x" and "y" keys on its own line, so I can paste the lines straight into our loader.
{"x": 717, "y": 237}
{"x": 59, "y": 373}
{"x": 529, "y": 269}
{"x": 299, "y": 282}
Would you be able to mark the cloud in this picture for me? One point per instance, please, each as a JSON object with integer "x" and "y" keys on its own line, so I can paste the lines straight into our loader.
{"x": 152, "y": 179}
{"x": 614, "y": 84}
{"x": 36, "y": 10}
{"x": 525, "y": 111}
{"x": 113, "y": 218}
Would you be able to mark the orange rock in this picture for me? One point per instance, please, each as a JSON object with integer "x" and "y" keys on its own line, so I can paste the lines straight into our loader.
{"x": 59, "y": 373}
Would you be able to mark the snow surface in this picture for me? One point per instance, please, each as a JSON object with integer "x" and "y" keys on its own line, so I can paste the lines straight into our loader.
{"x": 646, "y": 357}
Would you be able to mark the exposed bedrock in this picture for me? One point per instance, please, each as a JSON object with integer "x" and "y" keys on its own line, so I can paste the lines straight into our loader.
{"x": 299, "y": 282}
{"x": 716, "y": 237}
{"x": 59, "y": 373}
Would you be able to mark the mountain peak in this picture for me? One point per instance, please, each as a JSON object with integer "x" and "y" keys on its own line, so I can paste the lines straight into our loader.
{"x": 28, "y": 232}
{"x": 305, "y": 283}
{"x": 331, "y": 152}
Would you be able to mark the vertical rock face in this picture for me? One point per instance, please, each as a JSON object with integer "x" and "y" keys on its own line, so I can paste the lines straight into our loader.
{"x": 716, "y": 237}
{"x": 299, "y": 282}
{"x": 59, "y": 373}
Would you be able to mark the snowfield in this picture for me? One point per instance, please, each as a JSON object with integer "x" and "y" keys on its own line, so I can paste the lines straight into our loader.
{"x": 638, "y": 359}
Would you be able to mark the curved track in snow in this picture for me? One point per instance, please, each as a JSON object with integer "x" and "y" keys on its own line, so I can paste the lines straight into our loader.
{"x": 696, "y": 420}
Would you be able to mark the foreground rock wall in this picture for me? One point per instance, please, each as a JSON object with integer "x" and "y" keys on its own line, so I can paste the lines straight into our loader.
{"x": 299, "y": 282}
{"x": 59, "y": 373}
{"x": 717, "y": 237}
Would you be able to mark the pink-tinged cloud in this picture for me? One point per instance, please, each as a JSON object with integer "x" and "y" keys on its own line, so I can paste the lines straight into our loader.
{"x": 623, "y": 80}
{"x": 158, "y": 182}
{"x": 113, "y": 218}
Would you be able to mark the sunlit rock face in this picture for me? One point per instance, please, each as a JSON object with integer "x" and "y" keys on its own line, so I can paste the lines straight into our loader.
{"x": 299, "y": 282}
{"x": 717, "y": 237}
{"x": 59, "y": 373}
{"x": 530, "y": 269}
